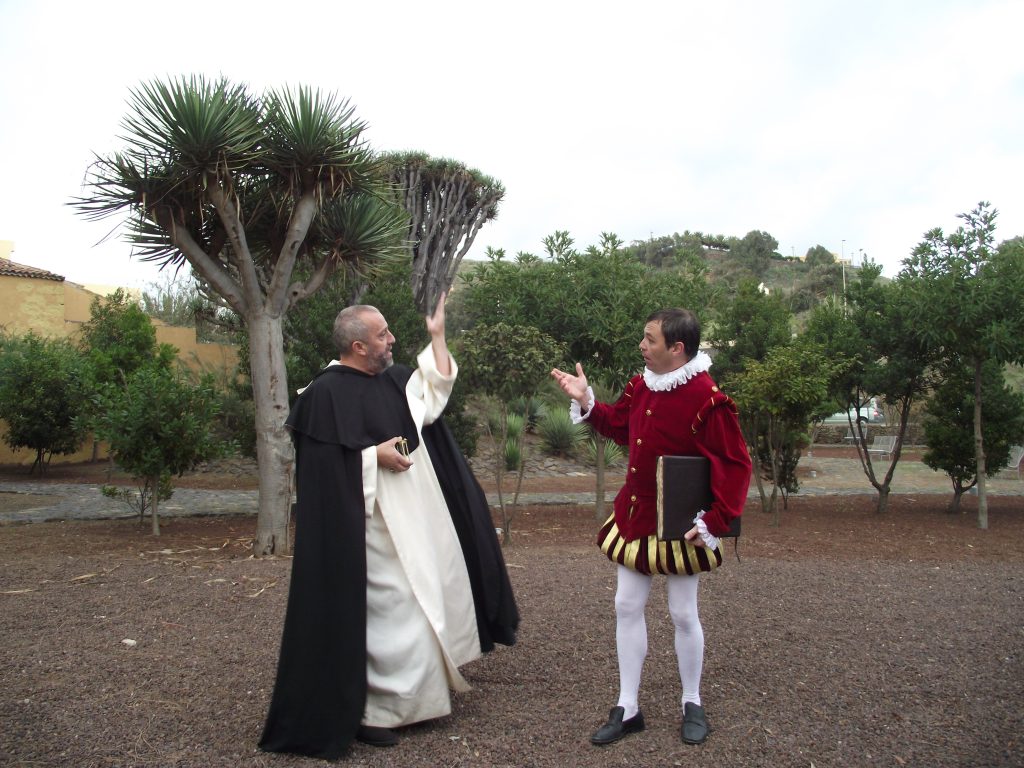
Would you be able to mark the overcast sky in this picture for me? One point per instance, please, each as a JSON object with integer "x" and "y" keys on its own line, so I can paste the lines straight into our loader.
{"x": 857, "y": 126}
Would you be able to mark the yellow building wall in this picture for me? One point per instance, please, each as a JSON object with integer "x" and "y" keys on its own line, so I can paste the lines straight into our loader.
{"x": 31, "y": 305}
{"x": 219, "y": 359}
{"x": 77, "y": 301}
{"x": 57, "y": 309}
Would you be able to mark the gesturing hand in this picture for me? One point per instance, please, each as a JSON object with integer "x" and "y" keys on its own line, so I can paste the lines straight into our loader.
{"x": 574, "y": 386}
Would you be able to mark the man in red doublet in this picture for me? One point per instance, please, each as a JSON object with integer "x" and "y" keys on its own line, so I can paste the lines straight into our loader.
{"x": 674, "y": 408}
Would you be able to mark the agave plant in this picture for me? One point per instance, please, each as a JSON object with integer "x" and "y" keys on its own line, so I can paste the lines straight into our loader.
{"x": 558, "y": 434}
{"x": 514, "y": 442}
{"x": 613, "y": 453}
{"x": 532, "y": 410}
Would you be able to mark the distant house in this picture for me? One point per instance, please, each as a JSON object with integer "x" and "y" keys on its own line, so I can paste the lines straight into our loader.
{"x": 33, "y": 299}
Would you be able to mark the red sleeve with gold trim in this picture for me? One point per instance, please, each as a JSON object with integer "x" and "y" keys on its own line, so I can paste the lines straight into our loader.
{"x": 612, "y": 421}
{"x": 717, "y": 429}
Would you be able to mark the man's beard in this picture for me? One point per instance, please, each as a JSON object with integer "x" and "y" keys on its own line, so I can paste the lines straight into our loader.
{"x": 383, "y": 362}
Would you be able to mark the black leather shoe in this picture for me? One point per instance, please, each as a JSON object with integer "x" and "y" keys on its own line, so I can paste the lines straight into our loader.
{"x": 616, "y": 727}
{"x": 695, "y": 724}
{"x": 376, "y": 736}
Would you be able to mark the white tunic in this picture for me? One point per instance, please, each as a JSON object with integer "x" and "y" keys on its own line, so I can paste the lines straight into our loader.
{"x": 420, "y": 618}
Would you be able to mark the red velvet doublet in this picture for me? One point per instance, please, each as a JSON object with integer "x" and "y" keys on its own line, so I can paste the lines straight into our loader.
{"x": 694, "y": 419}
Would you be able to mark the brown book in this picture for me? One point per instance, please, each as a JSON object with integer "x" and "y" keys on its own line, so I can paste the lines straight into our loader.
{"x": 684, "y": 489}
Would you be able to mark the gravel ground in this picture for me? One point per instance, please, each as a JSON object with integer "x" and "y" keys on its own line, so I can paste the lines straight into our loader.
{"x": 842, "y": 638}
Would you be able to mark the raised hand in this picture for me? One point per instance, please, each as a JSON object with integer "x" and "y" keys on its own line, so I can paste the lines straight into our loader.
{"x": 435, "y": 327}
{"x": 574, "y": 386}
{"x": 435, "y": 322}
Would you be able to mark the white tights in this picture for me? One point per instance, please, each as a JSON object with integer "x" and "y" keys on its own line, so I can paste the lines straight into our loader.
{"x": 631, "y": 634}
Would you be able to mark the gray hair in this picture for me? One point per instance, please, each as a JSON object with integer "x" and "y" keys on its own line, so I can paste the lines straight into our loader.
{"x": 349, "y": 327}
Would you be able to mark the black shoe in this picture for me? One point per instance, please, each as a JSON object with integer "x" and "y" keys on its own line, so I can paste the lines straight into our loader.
{"x": 376, "y": 736}
{"x": 695, "y": 724}
{"x": 616, "y": 727}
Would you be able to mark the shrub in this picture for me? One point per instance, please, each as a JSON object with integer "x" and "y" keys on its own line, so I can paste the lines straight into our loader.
{"x": 159, "y": 425}
{"x": 513, "y": 455}
{"x": 558, "y": 434}
{"x": 44, "y": 395}
{"x": 613, "y": 453}
{"x": 531, "y": 408}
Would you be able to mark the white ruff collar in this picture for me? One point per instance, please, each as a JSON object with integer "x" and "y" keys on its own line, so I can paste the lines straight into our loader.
{"x": 665, "y": 382}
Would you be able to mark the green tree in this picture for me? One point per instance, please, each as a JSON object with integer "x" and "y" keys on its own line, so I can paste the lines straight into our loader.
{"x": 158, "y": 425}
{"x": 746, "y": 327}
{"x": 447, "y": 204}
{"x": 819, "y": 255}
{"x": 831, "y": 328}
{"x": 755, "y": 252}
{"x": 874, "y": 328}
{"x": 171, "y": 300}
{"x": 244, "y": 188}
{"x": 967, "y": 299}
{"x": 44, "y": 391}
{"x": 595, "y": 302}
{"x": 611, "y": 295}
{"x": 686, "y": 249}
{"x": 506, "y": 362}
{"x": 559, "y": 246}
{"x": 777, "y": 398}
{"x": 119, "y": 338}
{"x": 948, "y": 425}
{"x": 519, "y": 292}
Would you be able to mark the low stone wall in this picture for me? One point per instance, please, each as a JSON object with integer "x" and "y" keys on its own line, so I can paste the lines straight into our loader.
{"x": 833, "y": 434}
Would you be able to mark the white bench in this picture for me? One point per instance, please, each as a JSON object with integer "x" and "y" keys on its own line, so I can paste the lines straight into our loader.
{"x": 851, "y": 435}
{"x": 883, "y": 445}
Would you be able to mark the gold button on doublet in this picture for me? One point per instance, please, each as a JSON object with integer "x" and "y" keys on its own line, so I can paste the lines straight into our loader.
{"x": 632, "y": 498}
{"x": 638, "y": 441}
{"x": 648, "y": 411}
{"x": 632, "y": 469}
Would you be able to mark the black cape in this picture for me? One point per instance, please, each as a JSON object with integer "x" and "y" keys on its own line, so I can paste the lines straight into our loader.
{"x": 320, "y": 690}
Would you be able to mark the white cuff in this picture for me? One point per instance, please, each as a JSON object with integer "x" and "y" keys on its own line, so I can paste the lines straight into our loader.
{"x": 576, "y": 413}
{"x": 710, "y": 540}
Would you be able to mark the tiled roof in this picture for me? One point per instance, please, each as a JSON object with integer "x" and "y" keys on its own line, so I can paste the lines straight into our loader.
{"x": 12, "y": 269}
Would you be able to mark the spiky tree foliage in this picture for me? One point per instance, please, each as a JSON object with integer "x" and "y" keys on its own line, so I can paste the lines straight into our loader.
{"x": 243, "y": 188}
{"x": 447, "y": 204}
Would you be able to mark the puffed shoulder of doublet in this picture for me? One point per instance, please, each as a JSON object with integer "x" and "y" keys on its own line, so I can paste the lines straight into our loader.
{"x": 717, "y": 399}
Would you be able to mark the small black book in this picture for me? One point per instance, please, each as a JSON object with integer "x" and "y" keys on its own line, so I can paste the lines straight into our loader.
{"x": 684, "y": 489}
